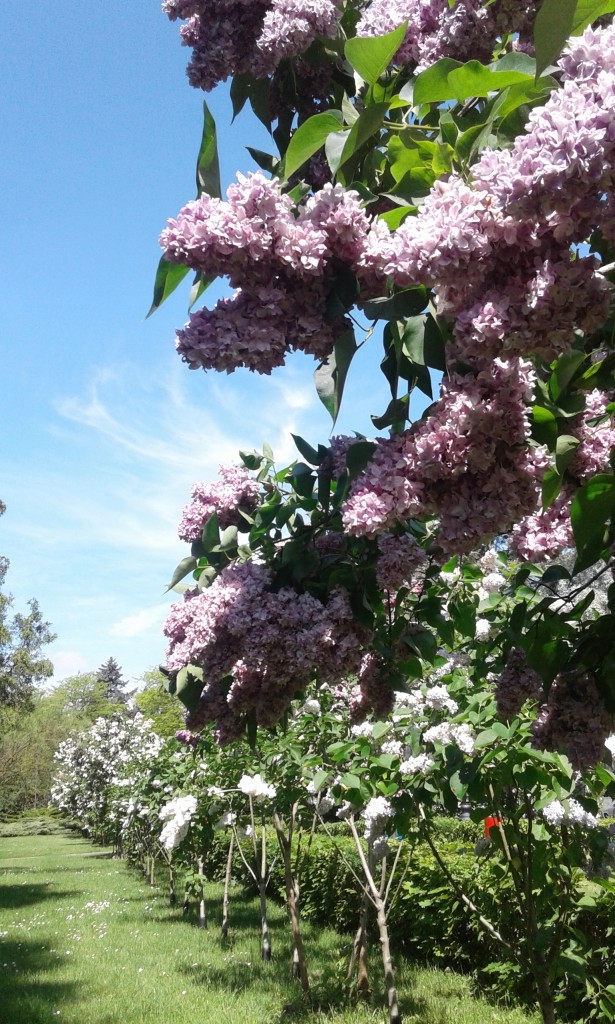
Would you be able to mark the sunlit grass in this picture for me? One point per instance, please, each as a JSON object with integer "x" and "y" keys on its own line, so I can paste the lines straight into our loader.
{"x": 85, "y": 941}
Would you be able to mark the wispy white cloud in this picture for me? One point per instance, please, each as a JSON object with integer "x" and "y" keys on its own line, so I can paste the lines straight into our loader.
{"x": 140, "y": 622}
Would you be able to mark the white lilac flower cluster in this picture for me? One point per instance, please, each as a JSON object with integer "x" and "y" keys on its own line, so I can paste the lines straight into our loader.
{"x": 448, "y": 733}
{"x": 376, "y": 815}
{"x": 255, "y": 786}
{"x": 177, "y": 814}
{"x": 570, "y": 813}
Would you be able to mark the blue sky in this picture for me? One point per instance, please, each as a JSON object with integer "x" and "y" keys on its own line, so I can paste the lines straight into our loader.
{"x": 104, "y": 429}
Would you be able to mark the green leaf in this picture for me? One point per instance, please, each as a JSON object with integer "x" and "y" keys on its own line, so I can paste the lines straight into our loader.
{"x": 199, "y": 285}
{"x": 207, "y": 164}
{"x": 210, "y": 537}
{"x": 309, "y": 138}
{"x": 544, "y": 426}
{"x": 564, "y": 373}
{"x": 185, "y": 566}
{"x": 565, "y": 447}
{"x": 334, "y": 147}
{"x": 393, "y": 218}
{"x": 586, "y": 11}
{"x": 305, "y": 449}
{"x": 370, "y": 57}
{"x": 592, "y": 507}
{"x": 357, "y": 457}
{"x": 448, "y": 79}
{"x": 330, "y": 376}
{"x": 369, "y": 122}
{"x": 551, "y": 486}
{"x": 168, "y": 276}
{"x": 553, "y": 25}
{"x": 405, "y": 303}
{"x": 189, "y": 685}
{"x": 395, "y": 412}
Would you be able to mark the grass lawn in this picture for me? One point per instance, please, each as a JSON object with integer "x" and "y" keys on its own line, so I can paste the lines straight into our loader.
{"x": 84, "y": 941}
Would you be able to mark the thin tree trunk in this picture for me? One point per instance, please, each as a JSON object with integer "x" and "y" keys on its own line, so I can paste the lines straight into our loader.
{"x": 394, "y": 1011}
{"x": 202, "y": 907}
{"x": 172, "y": 896}
{"x": 227, "y": 882}
{"x": 299, "y": 966}
{"x": 358, "y": 957}
{"x": 186, "y": 903}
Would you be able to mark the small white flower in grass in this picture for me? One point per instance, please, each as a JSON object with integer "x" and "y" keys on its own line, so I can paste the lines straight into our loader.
{"x": 256, "y": 787}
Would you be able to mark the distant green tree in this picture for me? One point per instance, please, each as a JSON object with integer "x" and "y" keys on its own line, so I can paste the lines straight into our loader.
{"x": 110, "y": 674}
{"x": 22, "y": 639}
{"x": 84, "y": 695}
{"x": 154, "y": 701}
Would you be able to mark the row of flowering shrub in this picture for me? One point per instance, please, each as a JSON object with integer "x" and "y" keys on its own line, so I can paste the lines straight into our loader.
{"x": 346, "y": 822}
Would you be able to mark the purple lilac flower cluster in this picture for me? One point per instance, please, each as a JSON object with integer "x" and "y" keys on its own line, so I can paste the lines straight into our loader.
{"x": 234, "y": 489}
{"x": 258, "y": 648}
{"x": 372, "y": 692}
{"x": 469, "y": 463}
{"x": 398, "y": 559}
{"x": 497, "y": 252}
{"x": 228, "y": 37}
{"x": 516, "y": 683}
{"x": 281, "y": 260}
{"x": 545, "y": 534}
{"x": 466, "y": 30}
{"x": 574, "y": 719}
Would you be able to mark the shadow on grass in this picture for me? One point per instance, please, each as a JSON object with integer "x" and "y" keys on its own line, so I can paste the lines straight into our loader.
{"x": 14, "y": 896}
{"x": 27, "y": 993}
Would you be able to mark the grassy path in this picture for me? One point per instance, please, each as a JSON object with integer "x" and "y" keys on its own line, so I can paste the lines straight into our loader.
{"x": 84, "y": 941}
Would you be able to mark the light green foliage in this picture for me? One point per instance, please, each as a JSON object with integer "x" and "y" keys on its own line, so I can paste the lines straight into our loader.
{"x": 156, "y": 703}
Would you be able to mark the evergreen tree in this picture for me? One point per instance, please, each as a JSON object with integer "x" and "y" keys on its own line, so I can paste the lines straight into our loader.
{"x": 110, "y": 674}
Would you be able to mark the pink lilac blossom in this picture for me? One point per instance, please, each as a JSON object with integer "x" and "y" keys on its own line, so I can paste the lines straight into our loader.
{"x": 398, "y": 558}
{"x": 573, "y": 720}
{"x": 467, "y": 29}
{"x": 228, "y": 37}
{"x": 468, "y": 462}
{"x": 257, "y": 648}
{"x": 597, "y": 440}
{"x": 373, "y": 691}
{"x": 257, "y": 328}
{"x": 233, "y": 490}
{"x": 547, "y": 533}
{"x": 516, "y": 683}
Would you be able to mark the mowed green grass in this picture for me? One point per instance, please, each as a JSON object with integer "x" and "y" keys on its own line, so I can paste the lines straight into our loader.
{"x": 84, "y": 941}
